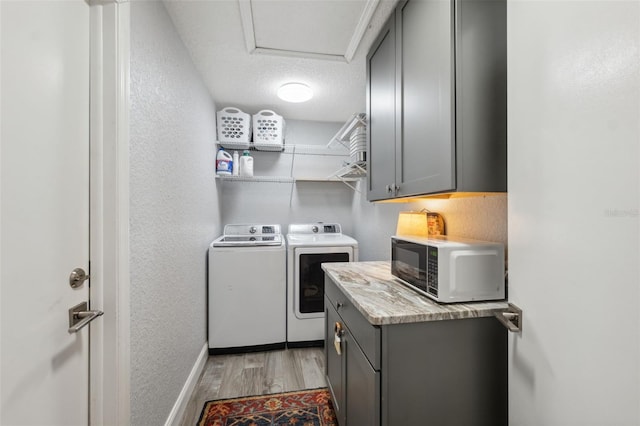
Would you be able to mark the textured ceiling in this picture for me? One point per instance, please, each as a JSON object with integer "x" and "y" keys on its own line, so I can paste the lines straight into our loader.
{"x": 213, "y": 33}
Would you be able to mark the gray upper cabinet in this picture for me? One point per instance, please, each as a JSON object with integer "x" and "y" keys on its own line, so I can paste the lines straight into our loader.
{"x": 381, "y": 98}
{"x": 436, "y": 100}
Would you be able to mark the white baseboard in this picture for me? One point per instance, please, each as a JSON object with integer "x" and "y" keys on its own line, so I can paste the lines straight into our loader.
{"x": 175, "y": 416}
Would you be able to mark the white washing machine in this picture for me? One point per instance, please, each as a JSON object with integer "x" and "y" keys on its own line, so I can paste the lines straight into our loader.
{"x": 308, "y": 246}
{"x": 247, "y": 290}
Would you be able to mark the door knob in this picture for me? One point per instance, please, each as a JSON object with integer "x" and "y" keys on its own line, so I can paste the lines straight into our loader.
{"x": 77, "y": 277}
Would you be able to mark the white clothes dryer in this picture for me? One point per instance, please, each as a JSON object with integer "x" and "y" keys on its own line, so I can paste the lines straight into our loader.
{"x": 308, "y": 246}
{"x": 247, "y": 290}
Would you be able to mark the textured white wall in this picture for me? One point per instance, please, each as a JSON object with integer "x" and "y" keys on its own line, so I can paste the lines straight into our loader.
{"x": 285, "y": 203}
{"x": 174, "y": 212}
{"x": 574, "y": 210}
{"x": 374, "y": 225}
{"x": 480, "y": 218}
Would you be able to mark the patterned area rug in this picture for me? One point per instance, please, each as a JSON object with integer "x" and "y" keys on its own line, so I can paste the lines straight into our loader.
{"x": 301, "y": 408}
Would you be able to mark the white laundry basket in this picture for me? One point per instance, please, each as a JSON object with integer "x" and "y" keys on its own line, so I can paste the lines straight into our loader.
{"x": 234, "y": 128}
{"x": 268, "y": 131}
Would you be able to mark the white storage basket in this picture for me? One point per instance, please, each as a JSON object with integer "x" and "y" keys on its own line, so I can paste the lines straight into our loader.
{"x": 234, "y": 128}
{"x": 268, "y": 131}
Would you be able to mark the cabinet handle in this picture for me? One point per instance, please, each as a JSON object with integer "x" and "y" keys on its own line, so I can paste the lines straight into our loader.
{"x": 388, "y": 188}
{"x": 339, "y": 305}
{"x": 338, "y": 332}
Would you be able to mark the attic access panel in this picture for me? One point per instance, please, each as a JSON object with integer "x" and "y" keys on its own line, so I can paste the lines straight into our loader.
{"x": 323, "y": 29}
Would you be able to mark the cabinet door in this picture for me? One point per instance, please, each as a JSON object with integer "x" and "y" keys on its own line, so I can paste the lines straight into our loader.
{"x": 381, "y": 111}
{"x": 362, "y": 385}
{"x": 427, "y": 154}
{"x": 334, "y": 363}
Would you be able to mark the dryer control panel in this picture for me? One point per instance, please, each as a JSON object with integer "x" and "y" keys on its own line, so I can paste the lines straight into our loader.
{"x": 315, "y": 228}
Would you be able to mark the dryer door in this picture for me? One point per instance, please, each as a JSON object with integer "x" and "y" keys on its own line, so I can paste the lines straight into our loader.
{"x": 308, "y": 288}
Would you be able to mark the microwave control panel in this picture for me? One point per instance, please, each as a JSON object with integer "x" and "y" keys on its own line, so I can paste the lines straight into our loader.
{"x": 432, "y": 270}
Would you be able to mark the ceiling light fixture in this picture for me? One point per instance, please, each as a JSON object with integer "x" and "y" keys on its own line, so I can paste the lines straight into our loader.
{"x": 295, "y": 92}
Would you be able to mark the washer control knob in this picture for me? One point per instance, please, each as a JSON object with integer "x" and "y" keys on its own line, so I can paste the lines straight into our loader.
{"x": 314, "y": 228}
{"x": 253, "y": 230}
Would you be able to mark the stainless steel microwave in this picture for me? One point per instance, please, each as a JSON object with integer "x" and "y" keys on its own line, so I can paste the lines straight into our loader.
{"x": 449, "y": 269}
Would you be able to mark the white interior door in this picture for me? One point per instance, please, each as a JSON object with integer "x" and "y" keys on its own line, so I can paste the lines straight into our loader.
{"x": 44, "y": 210}
{"x": 574, "y": 209}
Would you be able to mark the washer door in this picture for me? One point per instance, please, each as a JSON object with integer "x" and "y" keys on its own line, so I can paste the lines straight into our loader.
{"x": 308, "y": 289}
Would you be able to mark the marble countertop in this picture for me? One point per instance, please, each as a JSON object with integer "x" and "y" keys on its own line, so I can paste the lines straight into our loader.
{"x": 383, "y": 299}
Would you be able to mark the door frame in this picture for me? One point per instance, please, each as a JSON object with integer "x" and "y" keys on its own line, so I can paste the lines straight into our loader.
{"x": 109, "y": 363}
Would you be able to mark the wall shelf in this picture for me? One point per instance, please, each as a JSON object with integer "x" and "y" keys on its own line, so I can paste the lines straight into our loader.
{"x": 282, "y": 179}
{"x": 343, "y": 135}
{"x": 276, "y": 179}
{"x": 316, "y": 150}
{"x": 300, "y": 149}
{"x": 327, "y": 179}
{"x": 349, "y": 172}
{"x": 352, "y": 170}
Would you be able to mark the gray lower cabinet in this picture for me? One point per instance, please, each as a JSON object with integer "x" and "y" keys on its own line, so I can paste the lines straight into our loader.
{"x": 335, "y": 364}
{"x": 353, "y": 382}
{"x": 436, "y": 100}
{"x": 441, "y": 372}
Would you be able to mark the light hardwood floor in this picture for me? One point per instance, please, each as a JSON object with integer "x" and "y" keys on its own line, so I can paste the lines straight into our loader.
{"x": 260, "y": 373}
